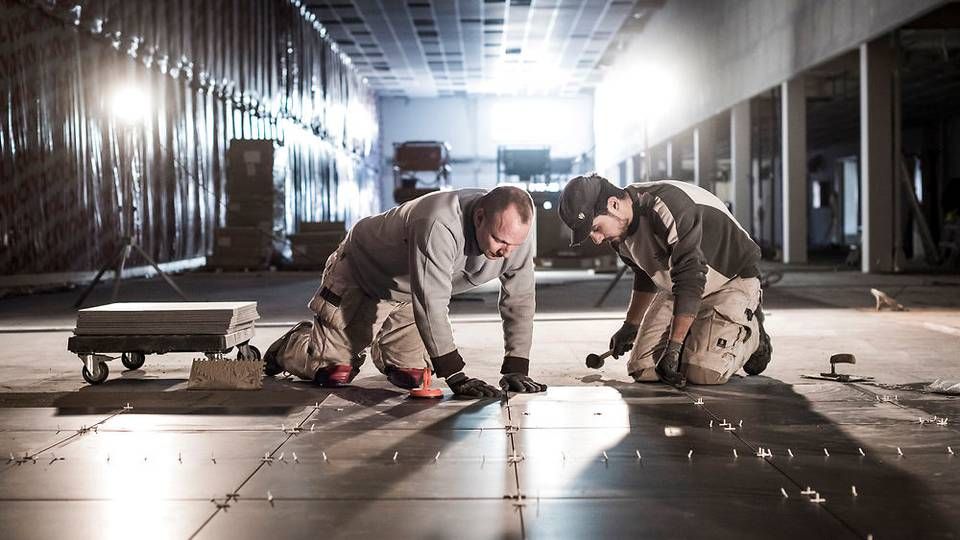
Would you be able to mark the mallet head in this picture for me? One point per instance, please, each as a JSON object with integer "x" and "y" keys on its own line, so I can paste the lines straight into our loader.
{"x": 594, "y": 361}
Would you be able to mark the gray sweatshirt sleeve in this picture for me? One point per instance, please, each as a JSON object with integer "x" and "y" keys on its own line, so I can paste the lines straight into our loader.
{"x": 433, "y": 249}
{"x": 517, "y": 306}
{"x": 688, "y": 267}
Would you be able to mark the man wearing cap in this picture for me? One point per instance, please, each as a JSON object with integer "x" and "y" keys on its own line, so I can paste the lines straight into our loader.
{"x": 694, "y": 312}
{"x": 388, "y": 287}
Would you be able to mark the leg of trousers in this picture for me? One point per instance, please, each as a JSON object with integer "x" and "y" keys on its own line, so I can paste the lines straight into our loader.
{"x": 341, "y": 331}
{"x": 721, "y": 339}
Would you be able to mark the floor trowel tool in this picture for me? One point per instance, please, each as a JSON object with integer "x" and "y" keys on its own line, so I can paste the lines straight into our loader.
{"x": 840, "y": 358}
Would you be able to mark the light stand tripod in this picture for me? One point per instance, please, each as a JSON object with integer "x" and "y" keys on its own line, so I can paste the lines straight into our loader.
{"x": 118, "y": 262}
{"x": 128, "y": 244}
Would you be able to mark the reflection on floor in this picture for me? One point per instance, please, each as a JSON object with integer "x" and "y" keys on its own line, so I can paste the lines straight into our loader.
{"x": 595, "y": 457}
{"x": 809, "y": 460}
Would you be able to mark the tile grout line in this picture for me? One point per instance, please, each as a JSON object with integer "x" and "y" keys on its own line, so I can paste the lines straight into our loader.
{"x": 76, "y": 433}
{"x": 257, "y": 468}
{"x": 876, "y": 397}
{"x": 516, "y": 465}
{"x": 777, "y": 468}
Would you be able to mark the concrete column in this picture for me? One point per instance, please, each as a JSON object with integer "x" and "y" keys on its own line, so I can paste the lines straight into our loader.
{"x": 878, "y": 154}
{"x": 672, "y": 150}
{"x": 794, "y": 155}
{"x": 639, "y": 167}
{"x": 704, "y": 155}
{"x": 740, "y": 163}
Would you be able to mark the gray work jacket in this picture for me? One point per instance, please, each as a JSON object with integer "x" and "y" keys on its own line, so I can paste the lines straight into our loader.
{"x": 683, "y": 239}
{"x": 423, "y": 252}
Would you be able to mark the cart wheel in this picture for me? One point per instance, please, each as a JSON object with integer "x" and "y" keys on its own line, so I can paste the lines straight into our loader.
{"x": 100, "y": 374}
{"x": 248, "y": 352}
{"x": 133, "y": 360}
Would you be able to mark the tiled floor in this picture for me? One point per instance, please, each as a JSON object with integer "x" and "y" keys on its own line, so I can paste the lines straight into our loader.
{"x": 594, "y": 457}
{"x": 574, "y": 462}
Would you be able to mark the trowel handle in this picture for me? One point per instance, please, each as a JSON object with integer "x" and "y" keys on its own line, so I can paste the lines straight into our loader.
{"x": 843, "y": 358}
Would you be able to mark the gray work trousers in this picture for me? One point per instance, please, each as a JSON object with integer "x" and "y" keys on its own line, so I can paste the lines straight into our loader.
{"x": 346, "y": 322}
{"x": 721, "y": 339}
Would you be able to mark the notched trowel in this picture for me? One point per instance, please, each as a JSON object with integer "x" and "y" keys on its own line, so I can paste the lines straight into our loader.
{"x": 841, "y": 358}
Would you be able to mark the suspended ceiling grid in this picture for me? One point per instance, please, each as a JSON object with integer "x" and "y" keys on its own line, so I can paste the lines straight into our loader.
{"x": 445, "y": 48}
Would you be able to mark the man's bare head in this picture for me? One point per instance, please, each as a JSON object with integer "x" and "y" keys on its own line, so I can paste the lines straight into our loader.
{"x": 502, "y": 219}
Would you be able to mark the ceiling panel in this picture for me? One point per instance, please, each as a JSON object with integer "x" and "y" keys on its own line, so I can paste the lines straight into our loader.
{"x": 420, "y": 48}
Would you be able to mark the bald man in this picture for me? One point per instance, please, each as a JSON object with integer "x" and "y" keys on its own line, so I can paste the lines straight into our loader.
{"x": 388, "y": 287}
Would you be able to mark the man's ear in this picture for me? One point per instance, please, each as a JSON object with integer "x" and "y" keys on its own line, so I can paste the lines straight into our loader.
{"x": 613, "y": 203}
{"x": 478, "y": 216}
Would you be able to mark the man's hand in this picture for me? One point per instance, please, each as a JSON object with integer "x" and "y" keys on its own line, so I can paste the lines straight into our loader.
{"x": 518, "y": 382}
{"x": 470, "y": 387}
{"x": 622, "y": 340}
{"x": 668, "y": 366}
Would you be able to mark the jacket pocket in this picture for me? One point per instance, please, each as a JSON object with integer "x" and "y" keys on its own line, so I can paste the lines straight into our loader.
{"x": 339, "y": 310}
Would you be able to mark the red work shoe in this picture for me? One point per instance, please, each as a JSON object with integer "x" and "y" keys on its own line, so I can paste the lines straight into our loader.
{"x": 336, "y": 375}
{"x": 406, "y": 378}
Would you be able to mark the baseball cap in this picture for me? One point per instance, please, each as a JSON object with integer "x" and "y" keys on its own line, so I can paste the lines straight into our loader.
{"x": 577, "y": 203}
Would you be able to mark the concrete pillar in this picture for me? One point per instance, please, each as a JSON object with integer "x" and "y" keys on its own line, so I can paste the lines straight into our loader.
{"x": 878, "y": 154}
{"x": 740, "y": 163}
{"x": 672, "y": 151}
{"x": 639, "y": 167}
{"x": 794, "y": 155}
{"x": 704, "y": 155}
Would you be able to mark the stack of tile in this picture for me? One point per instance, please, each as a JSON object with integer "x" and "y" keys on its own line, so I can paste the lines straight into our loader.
{"x": 315, "y": 242}
{"x": 255, "y": 186}
{"x": 238, "y": 248}
{"x": 255, "y": 200}
{"x": 166, "y": 318}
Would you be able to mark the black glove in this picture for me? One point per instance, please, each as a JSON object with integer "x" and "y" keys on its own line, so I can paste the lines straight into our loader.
{"x": 668, "y": 366}
{"x": 518, "y": 382}
{"x": 470, "y": 387}
{"x": 622, "y": 341}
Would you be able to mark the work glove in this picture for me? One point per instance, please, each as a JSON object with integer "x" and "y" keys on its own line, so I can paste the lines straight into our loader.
{"x": 668, "y": 366}
{"x": 469, "y": 387}
{"x": 520, "y": 383}
{"x": 622, "y": 340}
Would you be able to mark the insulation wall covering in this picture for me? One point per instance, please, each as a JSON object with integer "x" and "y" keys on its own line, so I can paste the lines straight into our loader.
{"x": 115, "y": 118}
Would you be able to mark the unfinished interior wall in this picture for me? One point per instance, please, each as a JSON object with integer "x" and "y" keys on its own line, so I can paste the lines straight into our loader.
{"x": 76, "y": 177}
{"x": 712, "y": 54}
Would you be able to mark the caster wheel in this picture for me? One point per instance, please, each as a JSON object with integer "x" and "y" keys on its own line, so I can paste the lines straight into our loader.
{"x": 133, "y": 360}
{"x": 248, "y": 352}
{"x": 100, "y": 373}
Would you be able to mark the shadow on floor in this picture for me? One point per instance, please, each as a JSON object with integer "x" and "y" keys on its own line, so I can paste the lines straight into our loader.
{"x": 909, "y": 496}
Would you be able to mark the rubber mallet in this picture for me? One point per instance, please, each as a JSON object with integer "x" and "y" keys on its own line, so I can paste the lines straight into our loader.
{"x": 595, "y": 361}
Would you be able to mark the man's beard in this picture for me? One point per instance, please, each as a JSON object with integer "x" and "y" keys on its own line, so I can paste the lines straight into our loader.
{"x": 625, "y": 224}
